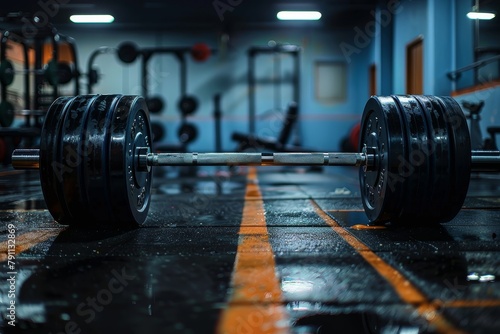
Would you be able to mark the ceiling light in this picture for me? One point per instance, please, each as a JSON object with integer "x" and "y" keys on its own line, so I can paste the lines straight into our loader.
{"x": 298, "y": 15}
{"x": 480, "y": 16}
{"x": 91, "y": 18}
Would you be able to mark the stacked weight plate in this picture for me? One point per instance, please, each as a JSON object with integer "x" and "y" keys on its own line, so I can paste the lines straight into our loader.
{"x": 423, "y": 159}
{"x": 87, "y": 160}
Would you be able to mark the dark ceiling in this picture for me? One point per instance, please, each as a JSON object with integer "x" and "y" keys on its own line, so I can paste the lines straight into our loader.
{"x": 159, "y": 14}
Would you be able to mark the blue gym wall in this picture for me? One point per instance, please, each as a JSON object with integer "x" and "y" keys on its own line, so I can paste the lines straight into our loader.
{"x": 448, "y": 44}
{"x": 321, "y": 127}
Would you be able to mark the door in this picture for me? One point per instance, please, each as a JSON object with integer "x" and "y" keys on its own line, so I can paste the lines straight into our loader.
{"x": 415, "y": 67}
{"x": 373, "y": 79}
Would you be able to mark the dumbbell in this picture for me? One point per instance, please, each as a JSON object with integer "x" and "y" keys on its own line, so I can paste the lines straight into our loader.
{"x": 54, "y": 72}
{"x": 155, "y": 104}
{"x": 158, "y": 131}
{"x": 188, "y": 105}
{"x": 95, "y": 160}
{"x": 187, "y": 133}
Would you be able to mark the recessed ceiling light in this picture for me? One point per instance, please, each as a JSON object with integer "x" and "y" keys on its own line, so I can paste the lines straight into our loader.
{"x": 480, "y": 16}
{"x": 298, "y": 15}
{"x": 91, "y": 18}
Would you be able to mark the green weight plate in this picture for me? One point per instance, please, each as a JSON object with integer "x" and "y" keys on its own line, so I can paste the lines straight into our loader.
{"x": 56, "y": 73}
{"x": 51, "y": 73}
{"x": 6, "y": 113}
{"x": 129, "y": 188}
{"x": 6, "y": 73}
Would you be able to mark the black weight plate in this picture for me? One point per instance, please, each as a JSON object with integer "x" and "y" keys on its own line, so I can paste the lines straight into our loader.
{"x": 460, "y": 152}
{"x": 6, "y": 113}
{"x": 415, "y": 166}
{"x": 127, "y": 52}
{"x": 3, "y": 150}
{"x": 438, "y": 149}
{"x": 96, "y": 157}
{"x": 187, "y": 133}
{"x": 71, "y": 147}
{"x": 382, "y": 187}
{"x": 6, "y": 73}
{"x": 129, "y": 188}
{"x": 93, "y": 76}
{"x": 188, "y": 105}
{"x": 50, "y": 170}
{"x": 64, "y": 73}
{"x": 158, "y": 131}
{"x": 51, "y": 72}
{"x": 155, "y": 104}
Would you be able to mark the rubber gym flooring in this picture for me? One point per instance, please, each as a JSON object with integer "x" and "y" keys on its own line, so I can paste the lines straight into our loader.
{"x": 265, "y": 250}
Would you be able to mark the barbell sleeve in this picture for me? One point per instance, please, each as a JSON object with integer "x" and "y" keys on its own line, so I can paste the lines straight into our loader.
{"x": 26, "y": 159}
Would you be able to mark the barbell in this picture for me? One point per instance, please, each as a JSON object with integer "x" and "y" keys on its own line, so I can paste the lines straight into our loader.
{"x": 54, "y": 72}
{"x": 96, "y": 160}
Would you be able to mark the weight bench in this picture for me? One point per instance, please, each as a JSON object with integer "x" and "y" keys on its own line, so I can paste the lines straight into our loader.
{"x": 249, "y": 141}
{"x": 491, "y": 143}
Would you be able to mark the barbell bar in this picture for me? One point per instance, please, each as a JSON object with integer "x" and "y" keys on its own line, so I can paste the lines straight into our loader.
{"x": 29, "y": 159}
{"x": 96, "y": 160}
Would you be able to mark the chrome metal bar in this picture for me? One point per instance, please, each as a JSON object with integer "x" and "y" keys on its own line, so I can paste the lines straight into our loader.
{"x": 481, "y": 160}
{"x": 26, "y": 159}
{"x": 484, "y": 161}
{"x": 256, "y": 159}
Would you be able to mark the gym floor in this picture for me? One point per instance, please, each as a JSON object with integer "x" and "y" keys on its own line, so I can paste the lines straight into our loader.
{"x": 264, "y": 250}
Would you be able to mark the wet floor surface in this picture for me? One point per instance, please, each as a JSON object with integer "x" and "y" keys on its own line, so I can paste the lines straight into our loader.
{"x": 283, "y": 252}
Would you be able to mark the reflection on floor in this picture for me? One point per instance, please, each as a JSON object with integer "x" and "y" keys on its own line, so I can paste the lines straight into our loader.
{"x": 280, "y": 251}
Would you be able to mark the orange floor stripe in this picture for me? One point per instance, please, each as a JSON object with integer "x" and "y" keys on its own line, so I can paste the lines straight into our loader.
{"x": 405, "y": 289}
{"x": 27, "y": 240}
{"x": 469, "y": 303}
{"x": 256, "y": 303}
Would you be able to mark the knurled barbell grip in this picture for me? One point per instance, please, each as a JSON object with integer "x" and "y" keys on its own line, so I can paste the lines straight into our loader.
{"x": 256, "y": 159}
